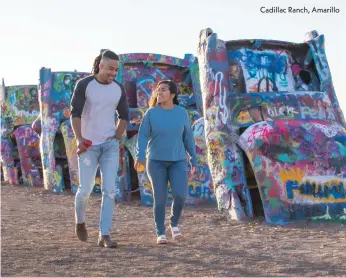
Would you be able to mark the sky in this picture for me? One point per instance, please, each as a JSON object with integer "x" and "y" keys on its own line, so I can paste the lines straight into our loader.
{"x": 68, "y": 34}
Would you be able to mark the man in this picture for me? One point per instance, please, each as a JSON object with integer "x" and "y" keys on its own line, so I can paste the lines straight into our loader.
{"x": 94, "y": 102}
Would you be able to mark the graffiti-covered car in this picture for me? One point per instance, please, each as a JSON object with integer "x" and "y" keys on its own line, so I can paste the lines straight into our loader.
{"x": 19, "y": 142}
{"x": 273, "y": 125}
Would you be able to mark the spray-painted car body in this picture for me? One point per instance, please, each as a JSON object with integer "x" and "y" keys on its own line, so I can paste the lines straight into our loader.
{"x": 19, "y": 142}
{"x": 273, "y": 104}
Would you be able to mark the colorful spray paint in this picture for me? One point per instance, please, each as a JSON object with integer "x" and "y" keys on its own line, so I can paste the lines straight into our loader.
{"x": 275, "y": 100}
{"x": 19, "y": 142}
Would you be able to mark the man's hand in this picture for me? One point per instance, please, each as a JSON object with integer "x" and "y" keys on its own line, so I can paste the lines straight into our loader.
{"x": 81, "y": 148}
{"x": 193, "y": 170}
{"x": 140, "y": 165}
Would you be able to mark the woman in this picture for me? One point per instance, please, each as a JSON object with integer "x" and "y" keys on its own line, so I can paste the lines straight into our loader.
{"x": 165, "y": 135}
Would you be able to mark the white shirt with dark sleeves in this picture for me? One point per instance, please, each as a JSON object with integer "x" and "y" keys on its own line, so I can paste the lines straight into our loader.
{"x": 96, "y": 103}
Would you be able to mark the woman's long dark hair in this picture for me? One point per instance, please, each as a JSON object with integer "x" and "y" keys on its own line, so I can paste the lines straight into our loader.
{"x": 108, "y": 54}
{"x": 173, "y": 88}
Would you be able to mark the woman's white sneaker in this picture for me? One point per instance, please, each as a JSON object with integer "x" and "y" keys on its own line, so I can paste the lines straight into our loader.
{"x": 176, "y": 234}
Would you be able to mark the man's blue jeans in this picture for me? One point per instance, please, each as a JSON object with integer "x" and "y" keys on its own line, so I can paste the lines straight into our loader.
{"x": 159, "y": 173}
{"x": 107, "y": 156}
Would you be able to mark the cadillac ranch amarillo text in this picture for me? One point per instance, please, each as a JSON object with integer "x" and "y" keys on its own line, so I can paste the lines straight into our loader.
{"x": 303, "y": 10}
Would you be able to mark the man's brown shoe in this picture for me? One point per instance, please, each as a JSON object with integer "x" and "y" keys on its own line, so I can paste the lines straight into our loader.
{"x": 81, "y": 232}
{"x": 105, "y": 241}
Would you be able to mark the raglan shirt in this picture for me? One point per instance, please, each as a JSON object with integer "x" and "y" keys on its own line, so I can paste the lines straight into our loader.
{"x": 96, "y": 103}
{"x": 166, "y": 134}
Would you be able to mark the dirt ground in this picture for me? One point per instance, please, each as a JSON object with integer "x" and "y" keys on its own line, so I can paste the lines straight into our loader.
{"x": 37, "y": 238}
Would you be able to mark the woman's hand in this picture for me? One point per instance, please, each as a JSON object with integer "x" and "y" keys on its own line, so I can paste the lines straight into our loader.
{"x": 193, "y": 170}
